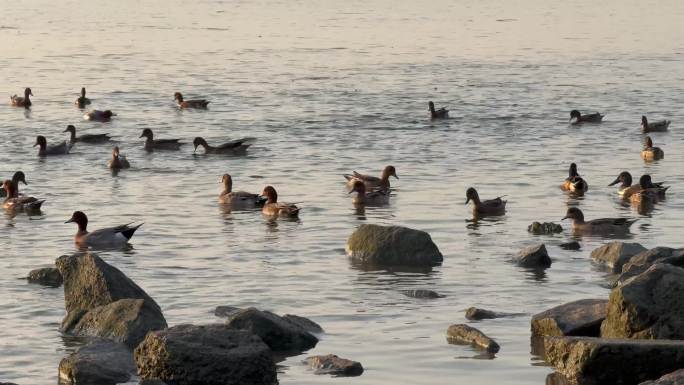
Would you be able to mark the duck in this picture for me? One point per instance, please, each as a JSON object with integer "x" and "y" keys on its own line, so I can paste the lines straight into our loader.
{"x": 18, "y": 176}
{"x": 103, "y": 238}
{"x": 238, "y": 199}
{"x": 626, "y": 189}
{"x": 372, "y": 182}
{"x": 58, "y": 149}
{"x": 495, "y": 206}
{"x": 82, "y": 101}
{"x": 590, "y": 118}
{"x": 274, "y": 208}
{"x": 87, "y": 138}
{"x": 238, "y": 146}
{"x": 18, "y": 101}
{"x": 373, "y": 198}
{"x": 659, "y": 126}
{"x": 442, "y": 113}
{"x": 13, "y": 202}
{"x": 152, "y": 144}
{"x": 648, "y": 191}
{"x": 574, "y": 182}
{"x": 99, "y": 116}
{"x": 195, "y": 103}
{"x": 597, "y": 226}
{"x": 118, "y": 161}
{"x": 651, "y": 153}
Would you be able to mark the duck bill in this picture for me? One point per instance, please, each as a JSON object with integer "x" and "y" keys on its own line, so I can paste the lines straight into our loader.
{"x": 70, "y": 220}
{"x": 396, "y": 176}
{"x": 564, "y": 218}
{"x": 36, "y": 144}
{"x": 467, "y": 200}
{"x": 616, "y": 181}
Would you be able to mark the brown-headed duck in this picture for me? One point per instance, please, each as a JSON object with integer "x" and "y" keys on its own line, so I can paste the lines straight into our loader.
{"x": 87, "y": 138}
{"x": 650, "y": 153}
{"x": 372, "y": 198}
{"x": 118, "y": 161}
{"x": 648, "y": 191}
{"x": 495, "y": 206}
{"x": 103, "y": 238}
{"x": 277, "y": 209}
{"x": 659, "y": 126}
{"x": 152, "y": 144}
{"x": 18, "y": 176}
{"x": 603, "y": 226}
{"x": 238, "y": 199}
{"x": 194, "y": 103}
{"x": 372, "y": 182}
{"x": 589, "y": 118}
{"x": 18, "y": 101}
{"x": 442, "y": 113}
{"x": 13, "y": 202}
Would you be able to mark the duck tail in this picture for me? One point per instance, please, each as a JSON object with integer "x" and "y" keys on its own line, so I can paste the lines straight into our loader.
{"x": 35, "y": 206}
{"x": 129, "y": 231}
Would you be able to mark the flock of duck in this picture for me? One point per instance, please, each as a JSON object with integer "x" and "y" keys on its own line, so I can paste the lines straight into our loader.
{"x": 369, "y": 190}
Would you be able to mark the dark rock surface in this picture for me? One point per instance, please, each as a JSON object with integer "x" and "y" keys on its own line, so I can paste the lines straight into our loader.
{"x": 674, "y": 378}
{"x": 334, "y": 365}
{"x": 464, "y": 334}
{"x": 48, "y": 276}
{"x": 574, "y": 245}
{"x": 304, "y": 323}
{"x": 422, "y": 294}
{"x": 392, "y": 246}
{"x": 278, "y": 333}
{"x": 578, "y": 318}
{"x": 544, "y": 228}
{"x": 615, "y": 254}
{"x": 98, "y": 363}
{"x": 533, "y": 257}
{"x": 476, "y": 314}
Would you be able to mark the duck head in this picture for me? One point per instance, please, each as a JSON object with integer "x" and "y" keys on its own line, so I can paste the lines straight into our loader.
{"x": 8, "y": 186}
{"x": 115, "y": 152}
{"x": 471, "y": 194}
{"x": 388, "y": 172}
{"x": 648, "y": 142}
{"x": 227, "y": 181}
{"x": 574, "y": 114}
{"x": 107, "y": 114}
{"x": 573, "y": 170}
{"x": 80, "y": 219}
{"x": 27, "y": 92}
{"x": 19, "y": 177}
{"x": 83, "y": 92}
{"x": 645, "y": 182}
{"x": 147, "y": 133}
{"x": 358, "y": 187}
{"x": 431, "y": 106}
{"x": 72, "y": 129}
{"x": 199, "y": 142}
{"x": 575, "y": 214}
{"x": 178, "y": 97}
{"x": 644, "y": 121}
{"x": 270, "y": 194}
{"x": 41, "y": 141}
{"x": 624, "y": 177}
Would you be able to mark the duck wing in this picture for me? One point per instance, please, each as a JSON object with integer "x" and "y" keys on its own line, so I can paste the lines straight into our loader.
{"x": 365, "y": 178}
{"x": 612, "y": 222}
{"x": 121, "y": 233}
{"x": 238, "y": 143}
{"x": 93, "y": 138}
{"x": 59, "y": 149}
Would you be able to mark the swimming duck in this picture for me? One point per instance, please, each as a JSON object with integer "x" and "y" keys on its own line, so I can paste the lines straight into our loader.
{"x": 495, "y": 206}
{"x": 57, "y": 149}
{"x": 442, "y": 113}
{"x": 103, "y": 238}
{"x": 18, "y": 101}
{"x": 82, "y": 101}
{"x": 16, "y": 203}
{"x": 626, "y": 189}
{"x": 651, "y": 153}
{"x": 590, "y": 118}
{"x": 648, "y": 191}
{"x": 238, "y": 199}
{"x": 238, "y": 146}
{"x": 152, "y": 144}
{"x": 195, "y": 103}
{"x": 574, "y": 182}
{"x": 18, "y": 176}
{"x": 373, "y": 198}
{"x": 87, "y": 138}
{"x": 597, "y": 226}
{"x": 277, "y": 209}
{"x": 118, "y": 161}
{"x": 659, "y": 126}
{"x": 372, "y": 182}
{"x": 99, "y": 116}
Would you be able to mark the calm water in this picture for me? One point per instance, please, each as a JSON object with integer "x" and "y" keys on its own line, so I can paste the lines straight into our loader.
{"x": 329, "y": 87}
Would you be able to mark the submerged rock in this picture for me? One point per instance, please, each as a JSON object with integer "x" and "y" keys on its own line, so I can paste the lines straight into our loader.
{"x": 648, "y": 306}
{"x": 304, "y": 323}
{"x": 476, "y": 314}
{"x": 392, "y": 246}
{"x": 48, "y": 276}
{"x": 207, "y": 355}
{"x": 334, "y": 365}
{"x": 464, "y": 334}
{"x": 574, "y": 245}
{"x": 545, "y": 228}
{"x": 578, "y": 318}
{"x": 421, "y": 293}
{"x": 225, "y": 311}
{"x": 279, "y": 334}
{"x": 152, "y": 382}
{"x": 674, "y": 378}
{"x": 533, "y": 257}
{"x": 615, "y": 254}
{"x": 99, "y": 363}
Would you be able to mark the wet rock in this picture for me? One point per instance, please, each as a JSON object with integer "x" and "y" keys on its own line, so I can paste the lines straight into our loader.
{"x": 304, "y": 323}
{"x": 545, "y": 228}
{"x": 674, "y": 378}
{"x": 642, "y": 261}
{"x": 334, "y": 365}
{"x": 279, "y": 334}
{"x": 578, "y": 318}
{"x": 533, "y": 257}
{"x": 587, "y": 360}
{"x": 7, "y": 383}
{"x": 48, "y": 276}
{"x": 476, "y": 314}
{"x": 392, "y": 246}
{"x": 464, "y": 334}
{"x": 422, "y": 294}
{"x": 615, "y": 254}
{"x": 574, "y": 245}
{"x": 126, "y": 321}
{"x": 648, "y": 306}
{"x": 205, "y": 354}
{"x": 152, "y": 382}
{"x": 99, "y": 363}
{"x": 225, "y": 311}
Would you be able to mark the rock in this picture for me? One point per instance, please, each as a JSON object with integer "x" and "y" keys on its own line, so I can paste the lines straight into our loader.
{"x": 392, "y": 246}
{"x": 588, "y": 360}
{"x": 332, "y": 364}
{"x": 648, "y": 306}
{"x": 544, "y": 228}
{"x": 533, "y": 257}
{"x": 126, "y": 321}
{"x": 279, "y": 334}
{"x": 674, "y": 378}
{"x": 476, "y": 314}
{"x": 464, "y": 334}
{"x": 578, "y": 318}
{"x": 207, "y": 355}
{"x": 574, "y": 245}
{"x": 225, "y": 311}
{"x": 303, "y": 323}
{"x": 615, "y": 254}
{"x": 48, "y": 276}
{"x": 152, "y": 382}
{"x": 99, "y": 363}
{"x": 7, "y": 383}
{"x": 422, "y": 293}
{"x": 642, "y": 261}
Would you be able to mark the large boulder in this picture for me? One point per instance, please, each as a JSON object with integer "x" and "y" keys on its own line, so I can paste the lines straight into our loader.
{"x": 464, "y": 334}
{"x": 615, "y": 254}
{"x": 597, "y": 361}
{"x": 534, "y": 257}
{"x": 674, "y": 378}
{"x": 205, "y": 355}
{"x": 578, "y": 318}
{"x": 99, "y": 363}
{"x": 648, "y": 306}
{"x": 642, "y": 261}
{"x": 334, "y": 365}
{"x": 281, "y": 335}
{"x": 126, "y": 320}
{"x": 392, "y": 246}
{"x": 48, "y": 276}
